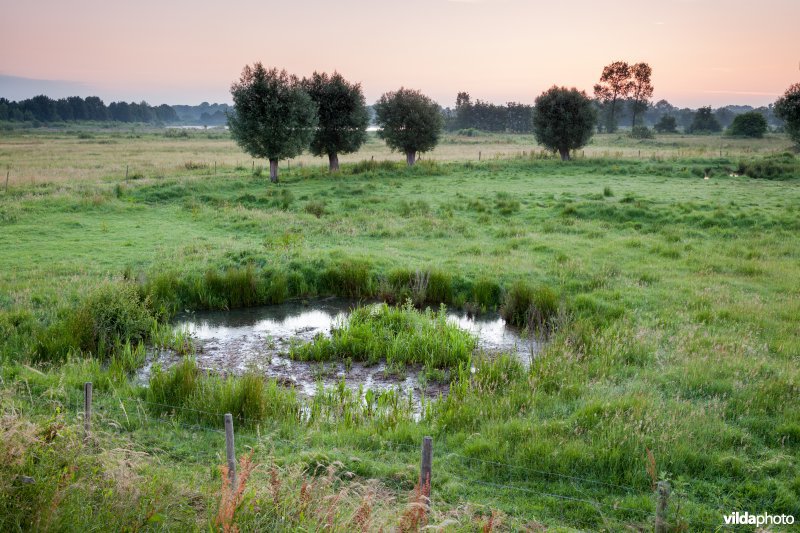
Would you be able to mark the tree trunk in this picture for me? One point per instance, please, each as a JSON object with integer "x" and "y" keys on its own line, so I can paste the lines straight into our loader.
{"x": 612, "y": 123}
{"x": 411, "y": 157}
{"x": 333, "y": 162}
{"x": 564, "y": 153}
{"x": 635, "y": 108}
{"x": 273, "y": 170}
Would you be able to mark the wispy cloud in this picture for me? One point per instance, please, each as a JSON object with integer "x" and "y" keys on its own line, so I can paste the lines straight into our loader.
{"x": 743, "y": 93}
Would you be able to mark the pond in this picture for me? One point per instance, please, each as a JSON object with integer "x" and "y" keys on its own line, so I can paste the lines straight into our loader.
{"x": 259, "y": 339}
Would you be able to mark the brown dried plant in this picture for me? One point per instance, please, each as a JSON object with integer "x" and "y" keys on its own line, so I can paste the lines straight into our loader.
{"x": 652, "y": 471}
{"x": 415, "y": 514}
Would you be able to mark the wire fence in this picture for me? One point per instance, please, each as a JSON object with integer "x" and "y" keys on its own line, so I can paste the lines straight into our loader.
{"x": 127, "y": 415}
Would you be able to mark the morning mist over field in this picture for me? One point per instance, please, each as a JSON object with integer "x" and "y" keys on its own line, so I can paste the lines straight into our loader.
{"x": 704, "y": 52}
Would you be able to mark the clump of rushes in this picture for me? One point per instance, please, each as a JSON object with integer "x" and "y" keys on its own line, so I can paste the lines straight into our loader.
{"x": 399, "y": 335}
{"x": 535, "y": 308}
{"x": 196, "y": 396}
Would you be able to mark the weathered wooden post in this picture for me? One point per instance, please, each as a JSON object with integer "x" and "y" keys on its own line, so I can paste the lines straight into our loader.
{"x": 662, "y": 493}
{"x": 215, "y": 168}
{"x": 126, "y": 172}
{"x": 230, "y": 452}
{"x": 87, "y": 410}
{"x": 426, "y": 465}
{"x": 8, "y": 172}
{"x": 479, "y": 155}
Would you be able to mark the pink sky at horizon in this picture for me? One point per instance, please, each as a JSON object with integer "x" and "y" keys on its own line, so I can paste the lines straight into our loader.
{"x": 703, "y": 52}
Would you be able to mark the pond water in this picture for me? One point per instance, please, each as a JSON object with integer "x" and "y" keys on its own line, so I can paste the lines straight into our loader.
{"x": 259, "y": 338}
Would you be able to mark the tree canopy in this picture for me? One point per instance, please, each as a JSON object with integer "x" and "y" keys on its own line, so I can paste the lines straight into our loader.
{"x": 666, "y": 124}
{"x": 704, "y": 121}
{"x": 641, "y": 88}
{"x": 563, "y": 120}
{"x": 787, "y": 108}
{"x": 409, "y": 121}
{"x": 615, "y": 84}
{"x": 750, "y": 124}
{"x": 273, "y": 117}
{"x": 343, "y": 116}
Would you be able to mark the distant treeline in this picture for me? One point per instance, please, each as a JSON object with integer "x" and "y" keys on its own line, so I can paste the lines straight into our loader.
{"x": 512, "y": 117}
{"x": 517, "y": 118}
{"x": 685, "y": 116}
{"x": 204, "y": 114}
{"x": 74, "y": 108}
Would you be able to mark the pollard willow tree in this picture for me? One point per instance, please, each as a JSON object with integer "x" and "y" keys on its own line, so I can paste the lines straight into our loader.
{"x": 563, "y": 120}
{"x": 273, "y": 117}
{"x": 409, "y": 121}
{"x": 343, "y": 116}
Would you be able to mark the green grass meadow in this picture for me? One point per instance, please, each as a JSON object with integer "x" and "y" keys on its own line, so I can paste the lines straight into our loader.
{"x": 670, "y": 302}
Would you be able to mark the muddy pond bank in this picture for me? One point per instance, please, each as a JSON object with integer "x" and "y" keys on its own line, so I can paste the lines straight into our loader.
{"x": 260, "y": 338}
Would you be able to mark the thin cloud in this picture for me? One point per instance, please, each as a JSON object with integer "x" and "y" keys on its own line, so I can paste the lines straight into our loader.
{"x": 743, "y": 93}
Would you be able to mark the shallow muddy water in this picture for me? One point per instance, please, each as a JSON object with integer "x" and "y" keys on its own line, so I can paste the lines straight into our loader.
{"x": 259, "y": 338}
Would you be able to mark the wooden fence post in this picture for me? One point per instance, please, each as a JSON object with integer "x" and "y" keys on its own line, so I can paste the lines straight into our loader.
{"x": 8, "y": 172}
{"x": 126, "y": 172}
{"x": 426, "y": 465}
{"x": 662, "y": 492}
{"x": 230, "y": 452}
{"x": 479, "y": 155}
{"x": 87, "y": 410}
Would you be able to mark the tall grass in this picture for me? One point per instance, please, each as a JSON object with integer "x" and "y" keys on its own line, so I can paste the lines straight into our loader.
{"x": 533, "y": 307}
{"x": 110, "y": 316}
{"x": 193, "y": 395}
{"x": 398, "y": 335}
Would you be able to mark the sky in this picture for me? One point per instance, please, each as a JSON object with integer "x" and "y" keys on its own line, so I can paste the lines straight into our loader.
{"x": 703, "y": 52}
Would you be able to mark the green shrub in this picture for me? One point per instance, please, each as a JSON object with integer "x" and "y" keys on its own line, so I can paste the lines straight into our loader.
{"x": 751, "y": 124}
{"x": 666, "y": 124}
{"x": 114, "y": 313}
{"x": 641, "y": 132}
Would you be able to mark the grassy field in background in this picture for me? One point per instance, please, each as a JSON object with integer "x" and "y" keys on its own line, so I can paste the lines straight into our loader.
{"x": 678, "y": 336}
{"x": 34, "y": 156}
